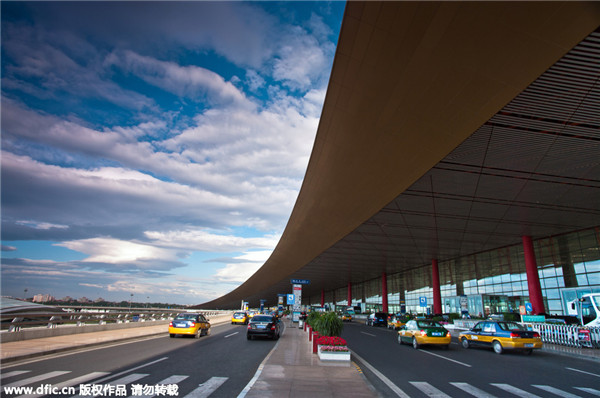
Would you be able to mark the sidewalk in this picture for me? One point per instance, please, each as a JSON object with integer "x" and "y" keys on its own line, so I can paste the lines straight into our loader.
{"x": 292, "y": 370}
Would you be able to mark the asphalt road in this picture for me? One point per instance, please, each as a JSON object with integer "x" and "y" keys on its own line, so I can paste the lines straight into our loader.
{"x": 460, "y": 372}
{"x": 219, "y": 365}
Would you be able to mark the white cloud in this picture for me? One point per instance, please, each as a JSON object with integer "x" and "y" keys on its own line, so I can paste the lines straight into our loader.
{"x": 41, "y": 225}
{"x": 114, "y": 251}
{"x": 201, "y": 240}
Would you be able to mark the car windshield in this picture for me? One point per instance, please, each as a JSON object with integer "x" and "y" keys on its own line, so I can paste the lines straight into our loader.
{"x": 262, "y": 318}
{"x": 239, "y": 314}
{"x": 189, "y": 317}
{"x": 428, "y": 324}
{"x": 510, "y": 326}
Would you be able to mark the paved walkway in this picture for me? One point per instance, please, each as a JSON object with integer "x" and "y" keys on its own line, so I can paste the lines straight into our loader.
{"x": 292, "y": 370}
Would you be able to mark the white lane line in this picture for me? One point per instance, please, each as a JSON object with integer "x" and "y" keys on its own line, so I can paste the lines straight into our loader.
{"x": 446, "y": 358}
{"x": 514, "y": 390}
{"x": 13, "y": 373}
{"x": 41, "y": 377}
{"x": 429, "y": 390}
{"x": 232, "y": 334}
{"x": 369, "y": 334}
{"x": 583, "y": 371}
{"x": 70, "y": 383}
{"x": 130, "y": 370}
{"x": 384, "y": 379}
{"x": 466, "y": 387}
{"x": 556, "y": 391}
{"x": 591, "y": 391}
{"x": 205, "y": 389}
{"x": 259, "y": 370}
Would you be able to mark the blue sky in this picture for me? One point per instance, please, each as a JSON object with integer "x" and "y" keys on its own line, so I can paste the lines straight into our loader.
{"x": 155, "y": 148}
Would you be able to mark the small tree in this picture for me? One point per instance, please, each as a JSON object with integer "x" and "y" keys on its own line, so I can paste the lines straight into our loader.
{"x": 313, "y": 318}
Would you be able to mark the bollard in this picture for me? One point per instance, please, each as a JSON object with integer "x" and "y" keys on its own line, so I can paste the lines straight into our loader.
{"x": 309, "y": 333}
{"x": 314, "y": 341}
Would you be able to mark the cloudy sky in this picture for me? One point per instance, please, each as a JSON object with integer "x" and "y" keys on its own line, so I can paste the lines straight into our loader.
{"x": 151, "y": 148}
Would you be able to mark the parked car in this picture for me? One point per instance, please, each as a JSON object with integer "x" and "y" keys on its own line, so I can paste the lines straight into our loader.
{"x": 501, "y": 336}
{"x": 420, "y": 332}
{"x": 377, "y": 319}
{"x": 189, "y": 324}
{"x": 239, "y": 317}
{"x": 264, "y": 326}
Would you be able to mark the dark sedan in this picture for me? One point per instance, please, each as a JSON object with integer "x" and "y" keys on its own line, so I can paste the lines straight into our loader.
{"x": 377, "y": 319}
{"x": 264, "y": 326}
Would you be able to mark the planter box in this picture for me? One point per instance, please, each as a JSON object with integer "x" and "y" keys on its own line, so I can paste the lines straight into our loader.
{"x": 333, "y": 355}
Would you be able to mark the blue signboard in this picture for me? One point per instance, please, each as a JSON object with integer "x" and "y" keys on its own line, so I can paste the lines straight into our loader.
{"x": 528, "y": 307}
{"x": 300, "y": 281}
{"x": 291, "y": 299}
{"x": 423, "y": 301}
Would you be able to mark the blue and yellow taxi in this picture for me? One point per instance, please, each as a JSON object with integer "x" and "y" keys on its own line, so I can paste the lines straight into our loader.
{"x": 420, "y": 332}
{"x": 239, "y": 317}
{"x": 189, "y": 324}
{"x": 501, "y": 336}
{"x": 346, "y": 317}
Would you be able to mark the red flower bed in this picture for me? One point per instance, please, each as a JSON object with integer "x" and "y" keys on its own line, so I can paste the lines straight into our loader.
{"x": 330, "y": 340}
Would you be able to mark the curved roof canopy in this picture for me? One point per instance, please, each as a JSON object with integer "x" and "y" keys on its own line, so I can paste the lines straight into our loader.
{"x": 444, "y": 132}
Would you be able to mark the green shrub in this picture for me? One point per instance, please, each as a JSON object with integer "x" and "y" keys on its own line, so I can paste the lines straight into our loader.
{"x": 329, "y": 324}
{"x": 313, "y": 318}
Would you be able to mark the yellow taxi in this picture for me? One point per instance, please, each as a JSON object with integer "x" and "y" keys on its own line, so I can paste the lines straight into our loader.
{"x": 501, "y": 336}
{"x": 396, "y": 322}
{"x": 346, "y": 317}
{"x": 239, "y": 317}
{"x": 189, "y": 324}
{"x": 420, "y": 332}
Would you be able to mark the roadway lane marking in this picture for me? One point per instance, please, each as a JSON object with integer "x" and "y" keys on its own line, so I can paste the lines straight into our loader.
{"x": 514, "y": 390}
{"x": 429, "y": 390}
{"x": 70, "y": 383}
{"x": 34, "y": 379}
{"x": 556, "y": 391}
{"x": 130, "y": 370}
{"x": 369, "y": 334}
{"x": 13, "y": 373}
{"x": 466, "y": 387}
{"x": 583, "y": 371}
{"x": 205, "y": 389}
{"x": 232, "y": 334}
{"x": 259, "y": 370}
{"x": 589, "y": 391}
{"x": 384, "y": 379}
{"x": 446, "y": 358}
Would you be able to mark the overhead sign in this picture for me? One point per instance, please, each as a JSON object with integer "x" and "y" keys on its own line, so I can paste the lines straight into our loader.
{"x": 300, "y": 281}
{"x": 422, "y": 301}
{"x": 291, "y": 299}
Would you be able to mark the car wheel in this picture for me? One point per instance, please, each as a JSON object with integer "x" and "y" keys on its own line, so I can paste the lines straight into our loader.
{"x": 465, "y": 343}
{"x": 207, "y": 333}
{"x": 400, "y": 340}
{"x": 415, "y": 343}
{"x": 198, "y": 334}
{"x": 528, "y": 352}
{"x": 497, "y": 347}
{"x": 171, "y": 335}
{"x": 248, "y": 337}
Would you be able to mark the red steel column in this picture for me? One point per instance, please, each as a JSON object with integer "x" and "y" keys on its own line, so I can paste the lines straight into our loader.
{"x": 435, "y": 278}
{"x": 322, "y": 298}
{"x": 349, "y": 294}
{"x": 533, "y": 278}
{"x": 384, "y": 293}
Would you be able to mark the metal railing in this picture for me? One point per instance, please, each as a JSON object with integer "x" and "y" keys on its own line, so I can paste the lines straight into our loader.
{"x": 15, "y": 322}
{"x": 568, "y": 335}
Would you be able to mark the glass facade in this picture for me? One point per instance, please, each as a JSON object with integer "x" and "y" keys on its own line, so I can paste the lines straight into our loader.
{"x": 493, "y": 281}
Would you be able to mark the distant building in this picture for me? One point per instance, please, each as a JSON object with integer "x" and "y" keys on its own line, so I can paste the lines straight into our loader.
{"x": 99, "y": 300}
{"x": 67, "y": 299}
{"x": 42, "y": 298}
{"x": 83, "y": 300}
